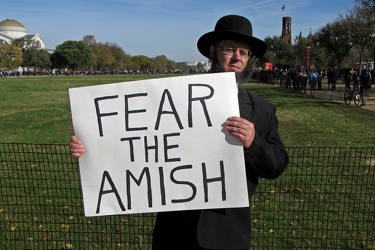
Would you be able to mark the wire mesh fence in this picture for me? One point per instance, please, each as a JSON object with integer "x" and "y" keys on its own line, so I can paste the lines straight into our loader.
{"x": 324, "y": 200}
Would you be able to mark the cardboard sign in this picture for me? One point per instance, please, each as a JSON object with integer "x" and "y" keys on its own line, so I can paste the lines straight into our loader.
{"x": 159, "y": 145}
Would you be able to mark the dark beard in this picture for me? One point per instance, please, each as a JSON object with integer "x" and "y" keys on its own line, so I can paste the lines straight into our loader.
{"x": 241, "y": 77}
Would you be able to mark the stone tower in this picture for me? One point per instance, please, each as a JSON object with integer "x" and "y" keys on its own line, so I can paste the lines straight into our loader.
{"x": 287, "y": 29}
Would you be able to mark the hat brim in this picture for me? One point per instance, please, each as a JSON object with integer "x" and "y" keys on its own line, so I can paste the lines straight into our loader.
{"x": 257, "y": 46}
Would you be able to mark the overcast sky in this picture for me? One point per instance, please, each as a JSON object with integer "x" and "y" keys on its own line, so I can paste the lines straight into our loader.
{"x": 163, "y": 27}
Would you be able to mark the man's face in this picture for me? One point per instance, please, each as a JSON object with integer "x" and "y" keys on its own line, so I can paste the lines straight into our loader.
{"x": 232, "y": 56}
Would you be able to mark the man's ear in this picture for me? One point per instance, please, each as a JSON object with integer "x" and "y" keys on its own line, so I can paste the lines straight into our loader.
{"x": 212, "y": 51}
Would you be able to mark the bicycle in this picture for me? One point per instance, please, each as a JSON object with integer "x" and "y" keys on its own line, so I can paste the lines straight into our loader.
{"x": 355, "y": 95}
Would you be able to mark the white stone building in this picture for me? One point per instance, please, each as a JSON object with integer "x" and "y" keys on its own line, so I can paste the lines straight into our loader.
{"x": 11, "y": 29}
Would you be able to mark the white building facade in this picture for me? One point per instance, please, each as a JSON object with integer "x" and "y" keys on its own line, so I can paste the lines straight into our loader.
{"x": 11, "y": 29}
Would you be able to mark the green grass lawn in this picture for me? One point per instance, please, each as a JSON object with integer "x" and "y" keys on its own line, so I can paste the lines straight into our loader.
{"x": 36, "y": 110}
{"x": 308, "y": 121}
{"x": 41, "y": 198}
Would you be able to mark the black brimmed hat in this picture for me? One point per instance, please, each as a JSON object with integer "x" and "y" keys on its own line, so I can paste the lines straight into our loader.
{"x": 232, "y": 27}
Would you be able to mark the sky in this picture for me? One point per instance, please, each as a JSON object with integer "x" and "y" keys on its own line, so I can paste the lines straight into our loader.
{"x": 163, "y": 27}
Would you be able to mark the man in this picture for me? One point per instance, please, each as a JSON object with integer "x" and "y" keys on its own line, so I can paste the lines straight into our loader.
{"x": 231, "y": 48}
{"x": 365, "y": 79}
{"x": 314, "y": 79}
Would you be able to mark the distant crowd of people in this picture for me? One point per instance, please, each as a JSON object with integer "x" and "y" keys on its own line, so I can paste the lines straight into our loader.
{"x": 300, "y": 79}
{"x": 360, "y": 81}
{"x": 53, "y": 72}
{"x": 357, "y": 79}
{"x": 4, "y": 74}
{"x": 297, "y": 79}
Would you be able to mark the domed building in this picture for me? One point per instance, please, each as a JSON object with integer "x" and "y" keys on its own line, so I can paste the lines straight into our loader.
{"x": 11, "y": 29}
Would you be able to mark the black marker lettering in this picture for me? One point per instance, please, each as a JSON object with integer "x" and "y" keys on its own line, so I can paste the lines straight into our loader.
{"x": 113, "y": 189}
{"x": 100, "y": 115}
{"x": 221, "y": 179}
{"x": 201, "y": 100}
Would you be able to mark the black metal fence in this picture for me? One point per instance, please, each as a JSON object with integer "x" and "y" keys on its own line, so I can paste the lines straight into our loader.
{"x": 324, "y": 200}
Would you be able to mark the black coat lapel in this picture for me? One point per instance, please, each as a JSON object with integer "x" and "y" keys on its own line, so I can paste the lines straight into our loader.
{"x": 245, "y": 104}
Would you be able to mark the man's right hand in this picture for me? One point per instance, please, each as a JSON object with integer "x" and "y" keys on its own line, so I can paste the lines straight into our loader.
{"x": 76, "y": 147}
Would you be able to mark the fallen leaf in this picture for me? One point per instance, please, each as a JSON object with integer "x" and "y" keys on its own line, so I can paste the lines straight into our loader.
{"x": 64, "y": 227}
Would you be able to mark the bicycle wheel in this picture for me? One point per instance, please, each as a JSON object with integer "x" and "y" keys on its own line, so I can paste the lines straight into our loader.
{"x": 358, "y": 99}
{"x": 347, "y": 97}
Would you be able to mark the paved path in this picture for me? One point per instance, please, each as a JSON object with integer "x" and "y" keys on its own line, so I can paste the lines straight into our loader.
{"x": 338, "y": 95}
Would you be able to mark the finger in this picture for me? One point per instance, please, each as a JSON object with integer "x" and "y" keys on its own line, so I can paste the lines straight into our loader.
{"x": 74, "y": 139}
{"x": 76, "y": 155}
{"x": 236, "y": 130}
{"x": 237, "y": 122}
{"x": 75, "y": 145}
{"x": 238, "y": 127}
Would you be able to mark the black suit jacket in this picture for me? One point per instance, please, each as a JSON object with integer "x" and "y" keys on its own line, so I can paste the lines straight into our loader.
{"x": 229, "y": 228}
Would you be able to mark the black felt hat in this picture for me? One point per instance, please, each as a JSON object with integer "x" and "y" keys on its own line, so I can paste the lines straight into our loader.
{"x": 232, "y": 27}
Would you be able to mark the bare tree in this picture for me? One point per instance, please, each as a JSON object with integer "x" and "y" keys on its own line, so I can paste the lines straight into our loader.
{"x": 336, "y": 39}
{"x": 361, "y": 28}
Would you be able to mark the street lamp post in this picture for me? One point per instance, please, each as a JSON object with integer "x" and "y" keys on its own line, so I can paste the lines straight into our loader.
{"x": 317, "y": 55}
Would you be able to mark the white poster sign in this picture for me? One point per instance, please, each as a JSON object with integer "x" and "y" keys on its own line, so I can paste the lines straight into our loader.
{"x": 159, "y": 145}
